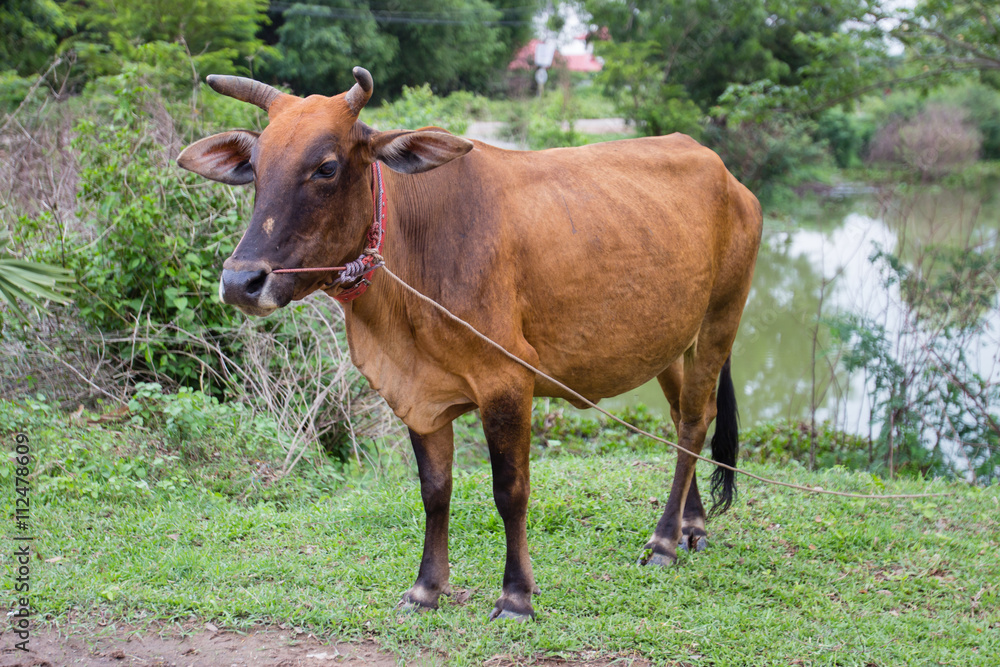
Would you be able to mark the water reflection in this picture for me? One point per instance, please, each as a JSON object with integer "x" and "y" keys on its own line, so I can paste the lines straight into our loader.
{"x": 820, "y": 253}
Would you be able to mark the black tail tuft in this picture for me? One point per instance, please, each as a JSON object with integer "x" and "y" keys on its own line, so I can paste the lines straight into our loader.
{"x": 725, "y": 443}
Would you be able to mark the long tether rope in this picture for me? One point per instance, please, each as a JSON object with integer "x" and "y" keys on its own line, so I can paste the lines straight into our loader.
{"x": 447, "y": 313}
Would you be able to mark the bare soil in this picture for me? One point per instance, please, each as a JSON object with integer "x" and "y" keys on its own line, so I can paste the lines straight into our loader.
{"x": 197, "y": 646}
{"x": 201, "y": 644}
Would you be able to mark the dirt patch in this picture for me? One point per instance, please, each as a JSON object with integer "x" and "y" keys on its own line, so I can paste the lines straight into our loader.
{"x": 198, "y": 644}
{"x": 195, "y": 646}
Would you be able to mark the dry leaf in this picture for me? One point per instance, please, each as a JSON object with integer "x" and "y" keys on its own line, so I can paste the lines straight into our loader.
{"x": 120, "y": 413}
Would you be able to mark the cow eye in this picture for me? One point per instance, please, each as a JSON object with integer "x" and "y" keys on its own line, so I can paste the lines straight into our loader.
{"x": 326, "y": 170}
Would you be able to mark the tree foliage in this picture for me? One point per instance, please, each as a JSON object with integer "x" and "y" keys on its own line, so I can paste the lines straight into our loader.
{"x": 30, "y": 31}
{"x": 316, "y": 50}
{"x": 173, "y": 41}
{"x": 746, "y": 55}
{"x": 448, "y": 44}
{"x": 954, "y": 35}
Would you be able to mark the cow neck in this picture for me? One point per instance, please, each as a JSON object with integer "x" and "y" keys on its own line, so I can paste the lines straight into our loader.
{"x": 363, "y": 268}
{"x": 385, "y": 295}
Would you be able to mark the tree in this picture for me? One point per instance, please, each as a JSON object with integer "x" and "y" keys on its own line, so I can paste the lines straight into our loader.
{"x": 718, "y": 54}
{"x": 632, "y": 73}
{"x": 954, "y": 35}
{"x": 177, "y": 39}
{"x": 29, "y": 34}
{"x": 456, "y": 56}
{"x": 449, "y": 44}
{"x": 941, "y": 39}
{"x": 319, "y": 44}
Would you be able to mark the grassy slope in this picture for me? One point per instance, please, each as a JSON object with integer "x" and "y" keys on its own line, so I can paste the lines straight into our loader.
{"x": 788, "y": 577}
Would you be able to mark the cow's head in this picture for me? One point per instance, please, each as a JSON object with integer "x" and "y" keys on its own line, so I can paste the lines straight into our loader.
{"x": 311, "y": 169}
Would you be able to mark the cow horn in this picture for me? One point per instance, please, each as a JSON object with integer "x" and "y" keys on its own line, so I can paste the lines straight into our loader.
{"x": 244, "y": 89}
{"x": 359, "y": 94}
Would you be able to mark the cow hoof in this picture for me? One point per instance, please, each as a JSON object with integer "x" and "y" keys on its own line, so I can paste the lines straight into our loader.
{"x": 513, "y": 607}
{"x": 412, "y": 603}
{"x": 663, "y": 560}
{"x": 508, "y": 615}
{"x": 700, "y": 543}
{"x": 408, "y": 608}
{"x": 405, "y": 608}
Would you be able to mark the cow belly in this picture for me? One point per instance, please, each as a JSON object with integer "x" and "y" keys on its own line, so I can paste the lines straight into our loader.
{"x": 604, "y": 347}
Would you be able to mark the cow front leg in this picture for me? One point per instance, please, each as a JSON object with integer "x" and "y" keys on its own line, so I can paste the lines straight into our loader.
{"x": 507, "y": 426}
{"x": 434, "y": 454}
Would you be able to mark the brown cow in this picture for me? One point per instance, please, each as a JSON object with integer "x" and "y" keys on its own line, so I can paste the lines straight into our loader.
{"x": 604, "y": 266}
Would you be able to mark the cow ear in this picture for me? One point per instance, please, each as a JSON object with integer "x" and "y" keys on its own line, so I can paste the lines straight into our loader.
{"x": 222, "y": 157}
{"x": 412, "y": 152}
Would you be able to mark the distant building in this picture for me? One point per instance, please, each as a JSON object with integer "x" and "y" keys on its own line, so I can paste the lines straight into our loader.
{"x": 576, "y": 56}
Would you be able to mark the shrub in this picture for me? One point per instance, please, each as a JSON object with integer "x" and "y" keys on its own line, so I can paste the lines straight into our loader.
{"x": 13, "y": 89}
{"x": 936, "y": 141}
{"x": 935, "y": 412}
{"x": 419, "y": 107}
{"x": 165, "y": 230}
{"x": 548, "y": 123}
{"x": 845, "y": 134}
{"x": 983, "y": 107}
{"x": 634, "y": 79}
{"x": 767, "y": 155}
{"x": 785, "y": 441}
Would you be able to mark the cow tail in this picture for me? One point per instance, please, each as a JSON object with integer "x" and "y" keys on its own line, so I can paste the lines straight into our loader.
{"x": 725, "y": 443}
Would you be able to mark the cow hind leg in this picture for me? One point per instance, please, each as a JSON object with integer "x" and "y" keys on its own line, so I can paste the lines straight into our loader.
{"x": 434, "y": 454}
{"x": 703, "y": 365}
{"x": 507, "y": 426}
{"x": 694, "y": 537}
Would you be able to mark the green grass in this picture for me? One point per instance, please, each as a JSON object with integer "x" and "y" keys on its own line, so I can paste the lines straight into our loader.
{"x": 822, "y": 580}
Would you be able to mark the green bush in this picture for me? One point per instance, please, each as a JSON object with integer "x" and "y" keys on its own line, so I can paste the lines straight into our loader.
{"x": 166, "y": 447}
{"x": 768, "y": 156}
{"x": 13, "y": 88}
{"x": 633, "y": 79}
{"x": 847, "y": 136}
{"x": 936, "y": 414}
{"x": 784, "y": 441}
{"x": 983, "y": 106}
{"x": 173, "y": 44}
{"x": 152, "y": 244}
{"x": 545, "y": 123}
{"x": 419, "y": 107}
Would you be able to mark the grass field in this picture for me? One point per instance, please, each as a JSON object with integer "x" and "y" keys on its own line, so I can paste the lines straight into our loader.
{"x": 788, "y": 578}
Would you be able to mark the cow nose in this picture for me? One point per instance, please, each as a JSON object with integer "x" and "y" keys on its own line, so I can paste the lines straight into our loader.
{"x": 256, "y": 291}
{"x": 243, "y": 287}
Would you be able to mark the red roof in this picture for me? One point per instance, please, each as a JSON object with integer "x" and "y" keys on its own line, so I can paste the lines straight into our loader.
{"x": 584, "y": 62}
{"x": 525, "y": 59}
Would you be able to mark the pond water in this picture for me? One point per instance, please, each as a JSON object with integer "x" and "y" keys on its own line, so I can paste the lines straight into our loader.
{"x": 819, "y": 254}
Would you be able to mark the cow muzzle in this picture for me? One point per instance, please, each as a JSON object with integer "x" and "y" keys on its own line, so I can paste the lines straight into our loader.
{"x": 256, "y": 291}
